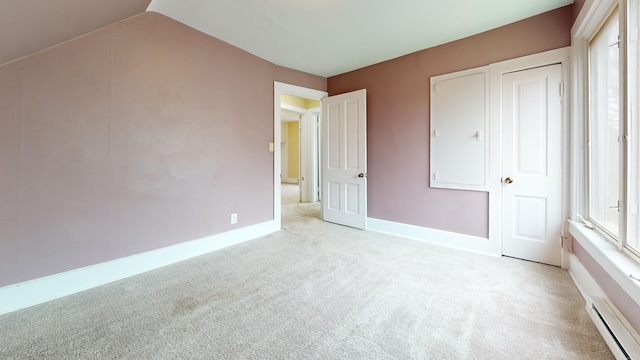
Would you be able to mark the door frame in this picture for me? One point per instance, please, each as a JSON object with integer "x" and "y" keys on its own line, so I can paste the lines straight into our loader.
{"x": 496, "y": 72}
{"x": 287, "y": 89}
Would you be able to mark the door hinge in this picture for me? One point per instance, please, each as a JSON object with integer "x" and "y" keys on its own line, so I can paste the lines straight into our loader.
{"x": 563, "y": 240}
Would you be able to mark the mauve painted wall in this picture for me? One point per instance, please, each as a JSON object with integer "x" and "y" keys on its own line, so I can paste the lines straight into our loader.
{"x": 398, "y": 121}
{"x": 577, "y": 6}
{"x": 143, "y": 134}
{"x": 622, "y": 301}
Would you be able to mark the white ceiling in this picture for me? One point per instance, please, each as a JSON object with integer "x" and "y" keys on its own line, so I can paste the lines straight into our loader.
{"x": 330, "y": 37}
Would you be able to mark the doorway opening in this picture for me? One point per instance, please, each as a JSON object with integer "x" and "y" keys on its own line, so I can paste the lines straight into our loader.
{"x": 296, "y": 148}
{"x": 299, "y": 145}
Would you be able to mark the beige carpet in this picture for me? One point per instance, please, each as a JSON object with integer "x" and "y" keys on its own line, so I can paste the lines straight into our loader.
{"x": 317, "y": 290}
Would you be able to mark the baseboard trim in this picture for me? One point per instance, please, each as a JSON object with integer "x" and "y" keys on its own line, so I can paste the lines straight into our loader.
{"x": 593, "y": 295}
{"x": 37, "y": 291}
{"x": 290, "y": 181}
{"x": 586, "y": 285}
{"x": 434, "y": 236}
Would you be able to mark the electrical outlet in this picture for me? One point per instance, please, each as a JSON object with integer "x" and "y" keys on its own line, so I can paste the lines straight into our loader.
{"x": 234, "y": 218}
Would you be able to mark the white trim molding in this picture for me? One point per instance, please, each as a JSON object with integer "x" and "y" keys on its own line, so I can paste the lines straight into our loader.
{"x": 37, "y": 291}
{"x": 434, "y": 236}
{"x": 586, "y": 25}
{"x": 619, "y": 266}
{"x": 439, "y": 161}
{"x": 590, "y": 17}
{"x": 625, "y": 336}
{"x": 295, "y": 109}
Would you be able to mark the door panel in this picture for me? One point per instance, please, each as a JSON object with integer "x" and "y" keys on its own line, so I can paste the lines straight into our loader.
{"x": 530, "y": 214}
{"x": 333, "y": 196}
{"x": 532, "y": 164}
{"x": 530, "y": 125}
{"x": 344, "y": 182}
{"x": 332, "y": 120}
{"x": 353, "y": 197}
{"x": 352, "y": 147}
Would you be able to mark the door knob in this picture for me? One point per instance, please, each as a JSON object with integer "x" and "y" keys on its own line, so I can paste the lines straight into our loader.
{"x": 361, "y": 175}
{"x": 508, "y": 180}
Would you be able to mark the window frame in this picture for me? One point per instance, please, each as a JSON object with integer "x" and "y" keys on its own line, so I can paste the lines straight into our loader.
{"x": 587, "y": 211}
{"x": 585, "y": 29}
{"x": 614, "y": 260}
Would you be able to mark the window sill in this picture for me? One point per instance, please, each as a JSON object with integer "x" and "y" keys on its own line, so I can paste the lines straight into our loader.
{"x": 614, "y": 262}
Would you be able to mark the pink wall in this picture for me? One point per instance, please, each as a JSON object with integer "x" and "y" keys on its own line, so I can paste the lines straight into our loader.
{"x": 398, "y": 121}
{"x": 622, "y": 301}
{"x": 577, "y": 6}
{"x": 143, "y": 134}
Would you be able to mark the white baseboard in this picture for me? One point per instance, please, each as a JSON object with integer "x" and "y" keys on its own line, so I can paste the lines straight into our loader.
{"x": 583, "y": 280}
{"x": 438, "y": 237}
{"x": 290, "y": 181}
{"x": 616, "y": 322}
{"x": 37, "y": 291}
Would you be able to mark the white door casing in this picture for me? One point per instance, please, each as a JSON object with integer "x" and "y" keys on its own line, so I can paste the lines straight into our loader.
{"x": 344, "y": 159}
{"x": 532, "y": 164}
{"x": 279, "y": 89}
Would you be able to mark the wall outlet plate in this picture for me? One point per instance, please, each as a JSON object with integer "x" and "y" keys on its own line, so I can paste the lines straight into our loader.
{"x": 234, "y": 218}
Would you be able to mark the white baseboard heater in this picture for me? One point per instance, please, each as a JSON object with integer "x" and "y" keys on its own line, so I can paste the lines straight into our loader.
{"x": 621, "y": 338}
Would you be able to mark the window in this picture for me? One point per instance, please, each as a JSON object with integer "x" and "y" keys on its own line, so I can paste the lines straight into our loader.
{"x": 604, "y": 127}
{"x": 613, "y": 147}
{"x": 633, "y": 84}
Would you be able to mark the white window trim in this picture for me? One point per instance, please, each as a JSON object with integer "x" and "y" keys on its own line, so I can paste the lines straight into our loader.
{"x": 615, "y": 263}
{"x": 599, "y": 224}
{"x": 618, "y": 264}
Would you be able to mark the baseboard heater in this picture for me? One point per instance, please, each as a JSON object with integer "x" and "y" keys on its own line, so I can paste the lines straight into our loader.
{"x": 621, "y": 338}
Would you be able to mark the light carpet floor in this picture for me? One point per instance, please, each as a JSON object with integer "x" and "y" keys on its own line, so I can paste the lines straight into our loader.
{"x": 317, "y": 290}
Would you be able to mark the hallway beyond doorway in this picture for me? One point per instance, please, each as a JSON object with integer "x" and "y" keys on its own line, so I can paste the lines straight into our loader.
{"x": 295, "y": 211}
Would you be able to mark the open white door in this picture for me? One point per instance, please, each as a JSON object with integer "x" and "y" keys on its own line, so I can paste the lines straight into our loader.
{"x": 344, "y": 159}
{"x": 309, "y": 157}
{"x": 532, "y": 164}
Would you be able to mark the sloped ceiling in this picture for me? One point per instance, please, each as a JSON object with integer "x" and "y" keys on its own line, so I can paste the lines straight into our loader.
{"x": 329, "y": 37}
{"x": 28, "y": 26}
{"x": 321, "y": 37}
